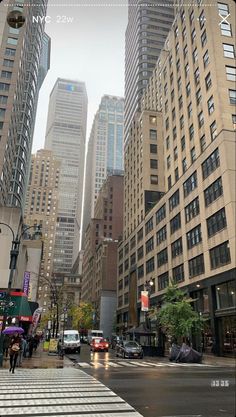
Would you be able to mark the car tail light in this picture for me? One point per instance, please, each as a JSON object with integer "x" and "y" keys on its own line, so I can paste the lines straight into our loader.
{"x": 96, "y": 345}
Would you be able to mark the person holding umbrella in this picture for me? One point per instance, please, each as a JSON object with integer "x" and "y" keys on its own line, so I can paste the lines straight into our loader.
{"x": 14, "y": 345}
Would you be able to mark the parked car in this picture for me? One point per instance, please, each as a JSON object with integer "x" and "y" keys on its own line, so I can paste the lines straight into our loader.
{"x": 129, "y": 349}
{"x": 99, "y": 344}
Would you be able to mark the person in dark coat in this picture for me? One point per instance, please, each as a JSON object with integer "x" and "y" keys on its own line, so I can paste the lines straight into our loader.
{"x": 30, "y": 346}
{"x": 14, "y": 348}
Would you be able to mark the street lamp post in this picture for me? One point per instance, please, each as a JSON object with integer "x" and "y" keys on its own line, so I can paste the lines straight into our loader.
{"x": 14, "y": 252}
{"x": 148, "y": 287}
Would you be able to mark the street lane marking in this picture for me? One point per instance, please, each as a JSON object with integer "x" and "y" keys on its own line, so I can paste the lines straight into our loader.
{"x": 84, "y": 364}
{"x": 125, "y": 363}
{"x": 113, "y": 364}
{"x": 140, "y": 364}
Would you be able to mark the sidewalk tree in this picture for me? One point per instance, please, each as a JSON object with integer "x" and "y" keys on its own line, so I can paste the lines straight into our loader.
{"x": 82, "y": 316}
{"x": 177, "y": 316}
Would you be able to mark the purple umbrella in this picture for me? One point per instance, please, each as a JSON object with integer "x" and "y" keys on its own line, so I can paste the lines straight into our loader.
{"x": 13, "y": 329}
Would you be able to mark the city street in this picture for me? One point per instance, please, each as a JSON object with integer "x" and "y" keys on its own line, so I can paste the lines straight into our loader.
{"x": 157, "y": 388}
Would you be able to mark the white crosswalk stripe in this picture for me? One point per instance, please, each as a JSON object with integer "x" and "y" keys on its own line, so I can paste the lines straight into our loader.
{"x": 137, "y": 364}
{"x": 53, "y": 392}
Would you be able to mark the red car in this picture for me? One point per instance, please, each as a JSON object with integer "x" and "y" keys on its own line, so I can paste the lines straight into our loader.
{"x": 99, "y": 344}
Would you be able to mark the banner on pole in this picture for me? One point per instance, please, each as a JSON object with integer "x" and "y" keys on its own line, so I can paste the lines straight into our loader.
{"x": 144, "y": 301}
{"x": 26, "y": 283}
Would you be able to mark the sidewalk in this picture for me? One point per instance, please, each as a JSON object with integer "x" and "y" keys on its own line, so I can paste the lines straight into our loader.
{"x": 206, "y": 360}
{"x": 41, "y": 359}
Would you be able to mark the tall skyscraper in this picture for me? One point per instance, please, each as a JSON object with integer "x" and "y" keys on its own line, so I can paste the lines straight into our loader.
{"x": 41, "y": 208}
{"x": 65, "y": 136}
{"x": 105, "y": 150}
{"x": 45, "y": 57}
{"x": 20, "y": 51}
{"x": 186, "y": 131}
{"x": 148, "y": 25}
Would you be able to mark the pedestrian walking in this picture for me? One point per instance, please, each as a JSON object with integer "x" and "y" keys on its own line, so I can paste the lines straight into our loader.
{"x": 14, "y": 348}
{"x": 25, "y": 347}
{"x": 30, "y": 346}
{"x": 6, "y": 343}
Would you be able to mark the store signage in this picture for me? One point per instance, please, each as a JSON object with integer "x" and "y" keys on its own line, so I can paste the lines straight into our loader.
{"x": 26, "y": 283}
{"x": 144, "y": 301}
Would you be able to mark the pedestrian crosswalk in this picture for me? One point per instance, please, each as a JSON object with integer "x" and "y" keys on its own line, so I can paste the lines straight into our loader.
{"x": 58, "y": 392}
{"x": 135, "y": 364}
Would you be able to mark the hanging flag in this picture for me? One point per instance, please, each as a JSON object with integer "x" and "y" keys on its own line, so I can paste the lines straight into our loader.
{"x": 26, "y": 283}
{"x": 144, "y": 301}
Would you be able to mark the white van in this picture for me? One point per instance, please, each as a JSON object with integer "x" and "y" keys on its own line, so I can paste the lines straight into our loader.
{"x": 94, "y": 333}
{"x": 71, "y": 341}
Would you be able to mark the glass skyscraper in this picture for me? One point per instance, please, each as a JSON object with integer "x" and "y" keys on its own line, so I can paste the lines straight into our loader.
{"x": 105, "y": 150}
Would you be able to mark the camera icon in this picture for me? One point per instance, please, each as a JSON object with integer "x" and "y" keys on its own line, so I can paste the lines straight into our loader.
{"x": 15, "y": 19}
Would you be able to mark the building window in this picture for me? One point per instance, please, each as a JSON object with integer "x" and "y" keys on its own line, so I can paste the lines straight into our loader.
{"x": 12, "y": 41}
{"x": 140, "y": 271}
{"x": 6, "y": 74}
{"x": 213, "y": 130}
{"x": 182, "y": 143}
{"x": 211, "y": 163}
{"x": 203, "y": 38}
{"x": 126, "y": 281}
{"x": 149, "y": 245}
{"x": 196, "y": 266}
{"x": 231, "y": 73}
{"x": 229, "y": 51}
{"x": 162, "y": 257}
{"x": 174, "y": 133}
{"x": 168, "y": 161}
{"x": 206, "y": 59}
{"x": 184, "y": 165}
{"x": 160, "y": 214}
{"x": 179, "y": 82}
{"x": 126, "y": 264}
{"x": 195, "y": 55}
{"x": 153, "y": 134}
{"x": 203, "y": 143}
{"x": 176, "y": 174}
{"x": 214, "y": 191}
{"x": 174, "y": 200}
{"x": 132, "y": 242}
{"x": 190, "y": 184}
{"x": 140, "y": 252}
{"x": 120, "y": 254}
{"x": 193, "y": 154}
{"x": 126, "y": 248}
{"x": 175, "y": 223}
{"x": 225, "y": 295}
{"x": 232, "y": 97}
{"x": 180, "y": 102}
{"x": 208, "y": 81}
{"x": 149, "y": 226}
{"x": 200, "y": 119}
{"x": 175, "y": 153}
{"x": 194, "y": 237}
{"x": 120, "y": 269}
{"x": 3, "y": 99}
{"x": 220, "y": 255}
{"x": 154, "y": 179}
{"x": 191, "y": 132}
{"x": 150, "y": 265}
{"x": 4, "y": 87}
{"x": 176, "y": 248}
{"x": 161, "y": 235}
{"x": 163, "y": 281}
{"x": 226, "y": 29}
{"x": 140, "y": 234}
{"x": 190, "y": 110}
{"x": 133, "y": 259}
{"x": 216, "y": 222}
{"x": 193, "y": 35}
{"x": 153, "y": 163}
{"x": 223, "y": 9}
{"x": 178, "y": 274}
{"x": 120, "y": 284}
{"x": 181, "y": 122}
{"x": 167, "y": 142}
{"x": 169, "y": 182}
{"x": 210, "y": 105}
{"x": 192, "y": 210}
{"x": 153, "y": 148}
{"x": 188, "y": 89}
{"x": 197, "y": 76}
{"x": 10, "y": 52}
{"x": 2, "y": 113}
{"x": 234, "y": 120}
{"x": 201, "y": 19}
{"x": 191, "y": 17}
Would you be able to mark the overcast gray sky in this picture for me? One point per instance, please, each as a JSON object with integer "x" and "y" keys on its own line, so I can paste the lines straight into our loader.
{"x": 90, "y": 49}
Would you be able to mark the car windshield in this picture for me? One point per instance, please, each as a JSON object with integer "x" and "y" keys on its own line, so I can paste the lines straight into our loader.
{"x": 98, "y": 340}
{"x": 71, "y": 337}
{"x": 131, "y": 344}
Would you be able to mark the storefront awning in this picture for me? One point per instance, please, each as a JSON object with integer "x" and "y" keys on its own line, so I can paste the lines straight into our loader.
{"x": 18, "y": 306}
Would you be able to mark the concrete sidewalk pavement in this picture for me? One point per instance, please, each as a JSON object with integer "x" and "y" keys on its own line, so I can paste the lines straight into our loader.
{"x": 41, "y": 359}
{"x": 206, "y": 360}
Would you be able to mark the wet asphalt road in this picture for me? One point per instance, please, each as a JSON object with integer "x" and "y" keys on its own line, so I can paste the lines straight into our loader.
{"x": 166, "y": 391}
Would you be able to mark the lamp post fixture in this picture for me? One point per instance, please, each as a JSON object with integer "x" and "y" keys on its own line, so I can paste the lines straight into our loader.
{"x": 14, "y": 252}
